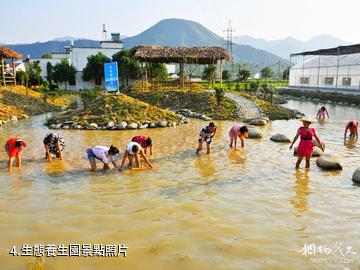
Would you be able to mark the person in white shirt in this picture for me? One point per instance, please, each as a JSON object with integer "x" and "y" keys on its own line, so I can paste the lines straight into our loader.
{"x": 134, "y": 150}
{"x": 104, "y": 154}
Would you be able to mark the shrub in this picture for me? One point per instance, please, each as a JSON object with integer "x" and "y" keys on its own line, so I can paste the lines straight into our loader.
{"x": 220, "y": 94}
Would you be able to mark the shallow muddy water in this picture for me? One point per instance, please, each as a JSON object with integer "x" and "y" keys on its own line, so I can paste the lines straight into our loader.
{"x": 245, "y": 209}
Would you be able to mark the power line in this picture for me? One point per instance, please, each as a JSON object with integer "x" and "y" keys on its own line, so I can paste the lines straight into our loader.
{"x": 229, "y": 39}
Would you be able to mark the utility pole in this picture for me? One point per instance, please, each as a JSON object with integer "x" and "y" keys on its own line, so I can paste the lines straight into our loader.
{"x": 229, "y": 43}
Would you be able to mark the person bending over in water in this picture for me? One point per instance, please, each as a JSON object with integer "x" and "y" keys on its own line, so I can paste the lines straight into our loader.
{"x": 321, "y": 113}
{"x": 104, "y": 154}
{"x": 206, "y": 134}
{"x": 306, "y": 145}
{"x": 134, "y": 150}
{"x": 13, "y": 148}
{"x": 145, "y": 142}
{"x": 54, "y": 145}
{"x": 238, "y": 131}
{"x": 352, "y": 126}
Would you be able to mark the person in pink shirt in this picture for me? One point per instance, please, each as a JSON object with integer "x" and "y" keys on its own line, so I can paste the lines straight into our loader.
{"x": 352, "y": 126}
{"x": 322, "y": 112}
{"x": 238, "y": 131}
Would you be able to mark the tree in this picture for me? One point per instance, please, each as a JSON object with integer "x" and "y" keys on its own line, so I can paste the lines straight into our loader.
{"x": 190, "y": 70}
{"x": 94, "y": 69}
{"x": 157, "y": 70}
{"x": 33, "y": 72}
{"x": 49, "y": 71}
{"x": 226, "y": 75}
{"x": 209, "y": 72}
{"x": 22, "y": 77}
{"x": 46, "y": 55}
{"x": 64, "y": 72}
{"x": 286, "y": 73}
{"x": 128, "y": 68}
{"x": 243, "y": 74}
{"x": 266, "y": 73}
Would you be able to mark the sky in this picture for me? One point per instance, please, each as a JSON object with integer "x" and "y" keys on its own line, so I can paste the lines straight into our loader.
{"x": 27, "y": 21}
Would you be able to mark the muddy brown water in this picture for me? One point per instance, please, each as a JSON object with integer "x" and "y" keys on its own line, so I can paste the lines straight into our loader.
{"x": 245, "y": 209}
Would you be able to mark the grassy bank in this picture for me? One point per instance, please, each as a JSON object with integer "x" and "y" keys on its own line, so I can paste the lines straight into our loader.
{"x": 19, "y": 101}
{"x": 102, "y": 109}
{"x": 200, "y": 102}
{"x": 273, "y": 111}
{"x": 244, "y": 85}
{"x": 321, "y": 95}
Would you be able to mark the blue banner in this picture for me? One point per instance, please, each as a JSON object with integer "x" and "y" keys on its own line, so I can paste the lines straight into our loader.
{"x": 111, "y": 76}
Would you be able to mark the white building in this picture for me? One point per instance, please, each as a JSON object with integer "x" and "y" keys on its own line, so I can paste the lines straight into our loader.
{"x": 329, "y": 69}
{"x": 19, "y": 66}
{"x": 77, "y": 56}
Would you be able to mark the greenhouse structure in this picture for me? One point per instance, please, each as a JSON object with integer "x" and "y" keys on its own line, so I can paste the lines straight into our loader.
{"x": 329, "y": 69}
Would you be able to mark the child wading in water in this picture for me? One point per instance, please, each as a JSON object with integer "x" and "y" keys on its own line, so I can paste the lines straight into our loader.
{"x": 306, "y": 145}
{"x": 104, "y": 154}
{"x": 134, "y": 151}
{"x": 54, "y": 145}
{"x": 238, "y": 131}
{"x": 206, "y": 134}
{"x": 321, "y": 113}
{"x": 352, "y": 126}
{"x": 13, "y": 148}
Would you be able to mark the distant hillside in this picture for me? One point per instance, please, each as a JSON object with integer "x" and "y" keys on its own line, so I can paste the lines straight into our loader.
{"x": 178, "y": 32}
{"x": 175, "y": 32}
{"x": 169, "y": 32}
{"x": 284, "y": 47}
{"x": 36, "y": 50}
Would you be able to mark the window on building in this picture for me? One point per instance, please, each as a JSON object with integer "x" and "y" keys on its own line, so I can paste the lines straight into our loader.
{"x": 304, "y": 80}
{"x": 329, "y": 80}
{"x": 346, "y": 81}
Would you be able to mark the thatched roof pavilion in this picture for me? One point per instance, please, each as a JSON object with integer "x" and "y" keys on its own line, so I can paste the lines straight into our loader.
{"x": 181, "y": 55}
{"x": 6, "y": 53}
{"x": 188, "y": 55}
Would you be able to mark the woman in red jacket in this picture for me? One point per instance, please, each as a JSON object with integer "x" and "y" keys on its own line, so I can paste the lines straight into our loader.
{"x": 13, "y": 148}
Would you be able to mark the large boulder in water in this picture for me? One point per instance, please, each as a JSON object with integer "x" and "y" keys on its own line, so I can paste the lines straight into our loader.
{"x": 254, "y": 133}
{"x": 356, "y": 176}
{"x": 258, "y": 122}
{"x": 316, "y": 152}
{"x": 281, "y": 138}
{"x": 328, "y": 162}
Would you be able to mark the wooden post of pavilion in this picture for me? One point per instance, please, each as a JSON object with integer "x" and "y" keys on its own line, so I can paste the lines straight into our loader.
{"x": 3, "y": 71}
{"x": 212, "y": 76}
{"x": 14, "y": 70}
{"x": 146, "y": 76}
{"x": 182, "y": 75}
{"x": 142, "y": 76}
{"x": 220, "y": 71}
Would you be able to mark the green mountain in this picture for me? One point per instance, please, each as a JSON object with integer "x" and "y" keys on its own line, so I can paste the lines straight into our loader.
{"x": 175, "y": 32}
{"x": 179, "y": 32}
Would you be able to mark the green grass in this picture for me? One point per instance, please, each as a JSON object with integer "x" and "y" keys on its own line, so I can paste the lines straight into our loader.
{"x": 245, "y": 85}
{"x": 199, "y": 102}
{"x": 273, "y": 111}
{"x": 18, "y": 101}
{"x": 117, "y": 108}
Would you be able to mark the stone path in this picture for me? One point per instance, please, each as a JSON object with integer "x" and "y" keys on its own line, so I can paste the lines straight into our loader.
{"x": 246, "y": 108}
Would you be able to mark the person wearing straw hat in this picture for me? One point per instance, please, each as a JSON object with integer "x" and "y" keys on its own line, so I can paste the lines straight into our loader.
{"x": 306, "y": 145}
